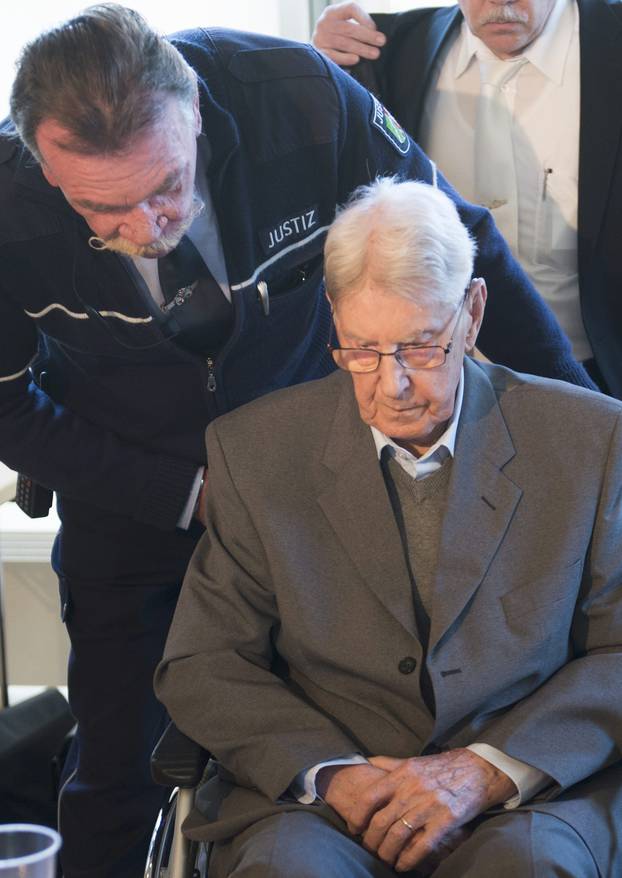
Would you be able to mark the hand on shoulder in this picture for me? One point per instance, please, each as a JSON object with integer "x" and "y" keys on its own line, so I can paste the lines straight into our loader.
{"x": 345, "y": 33}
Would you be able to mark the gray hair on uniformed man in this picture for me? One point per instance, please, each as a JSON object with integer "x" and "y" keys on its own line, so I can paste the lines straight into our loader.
{"x": 403, "y": 237}
{"x": 102, "y": 76}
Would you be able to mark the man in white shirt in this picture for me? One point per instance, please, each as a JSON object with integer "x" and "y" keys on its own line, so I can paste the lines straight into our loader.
{"x": 406, "y": 609}
{"x": 519, "y": 105}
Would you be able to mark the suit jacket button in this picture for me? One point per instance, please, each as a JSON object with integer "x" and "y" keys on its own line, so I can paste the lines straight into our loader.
{"x": 407, "y": 665}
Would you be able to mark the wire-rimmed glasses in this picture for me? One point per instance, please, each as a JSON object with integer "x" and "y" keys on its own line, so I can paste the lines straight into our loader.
{"x": 411, "y": 357}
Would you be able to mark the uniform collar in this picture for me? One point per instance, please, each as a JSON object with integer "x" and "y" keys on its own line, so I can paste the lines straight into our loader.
{"x": 548, "y": 53}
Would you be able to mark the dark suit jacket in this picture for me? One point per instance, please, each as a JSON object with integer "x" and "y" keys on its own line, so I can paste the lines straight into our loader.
{"x": 296, "y": 614}
{"x": 401, "y": 78}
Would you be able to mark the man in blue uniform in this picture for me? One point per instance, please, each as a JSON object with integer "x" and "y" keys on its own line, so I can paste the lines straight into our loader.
{"x": 163, "y": 209}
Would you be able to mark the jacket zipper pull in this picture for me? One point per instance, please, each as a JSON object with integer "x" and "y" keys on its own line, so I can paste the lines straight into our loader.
{"x": 211, "y": 377}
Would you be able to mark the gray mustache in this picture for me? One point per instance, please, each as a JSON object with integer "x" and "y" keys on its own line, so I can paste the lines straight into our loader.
{"x": 505, "y": 15}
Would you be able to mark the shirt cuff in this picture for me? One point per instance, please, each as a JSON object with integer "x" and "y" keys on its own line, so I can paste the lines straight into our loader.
{"x": 303, "y": 786}
{"x": 529, "y": 780}
{"x": 185, "y": 518}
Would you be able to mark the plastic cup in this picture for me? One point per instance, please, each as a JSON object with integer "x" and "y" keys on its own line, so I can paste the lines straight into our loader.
{"x": 28, "y": 851}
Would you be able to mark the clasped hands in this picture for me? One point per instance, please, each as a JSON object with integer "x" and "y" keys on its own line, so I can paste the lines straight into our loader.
{"x": 412, "y": 812}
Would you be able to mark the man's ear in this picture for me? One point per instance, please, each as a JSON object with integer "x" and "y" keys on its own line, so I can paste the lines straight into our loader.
{"x": 196, "y": 109}
{"x": 477, "y": 304}
{"x": 49, "y": 176}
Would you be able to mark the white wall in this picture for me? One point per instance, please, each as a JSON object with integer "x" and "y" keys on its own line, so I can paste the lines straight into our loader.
{"x": 398, "y": 5}
{"x": 25, "y": 20}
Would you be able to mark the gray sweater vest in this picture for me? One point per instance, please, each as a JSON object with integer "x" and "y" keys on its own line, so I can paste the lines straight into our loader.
{"x": 419, "y": 508}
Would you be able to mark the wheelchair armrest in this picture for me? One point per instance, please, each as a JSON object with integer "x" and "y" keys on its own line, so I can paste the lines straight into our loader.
{"x": 178, "y": 760}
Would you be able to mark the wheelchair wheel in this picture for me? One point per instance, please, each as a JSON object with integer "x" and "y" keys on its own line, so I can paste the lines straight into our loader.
{"x": 159, "y": 860}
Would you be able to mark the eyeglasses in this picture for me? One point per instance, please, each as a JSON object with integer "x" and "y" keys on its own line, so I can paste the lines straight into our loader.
{"x": 412, "y": 357}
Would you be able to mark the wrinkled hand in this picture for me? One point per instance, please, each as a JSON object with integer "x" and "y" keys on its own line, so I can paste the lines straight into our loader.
{"x": 345, "y": 33}
{"x": 436, "y": 795}
{"x": 344, "y": 787}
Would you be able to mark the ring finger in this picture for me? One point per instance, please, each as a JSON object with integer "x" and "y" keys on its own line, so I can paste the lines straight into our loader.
{"x": 399, "y": 837}
{"x": 389, "y": 832}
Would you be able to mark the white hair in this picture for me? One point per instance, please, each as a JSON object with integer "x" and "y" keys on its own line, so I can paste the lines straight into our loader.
{"x": 401, "y": 237}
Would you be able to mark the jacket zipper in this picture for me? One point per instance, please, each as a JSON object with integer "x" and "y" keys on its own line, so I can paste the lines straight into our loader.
{"x": 211, "y": 376}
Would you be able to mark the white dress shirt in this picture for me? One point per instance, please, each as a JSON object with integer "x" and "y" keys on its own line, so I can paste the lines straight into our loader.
{"x": 528, "y": 780}
{"x": 544, "y": 100}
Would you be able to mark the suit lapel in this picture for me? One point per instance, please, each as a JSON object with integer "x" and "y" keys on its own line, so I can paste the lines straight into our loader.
{"x": 481, "y": 503}
{"x": 601, "y": 119}
{"x": 403, "y": 76}
{"x": 358, "y": 507}
{"x": 443, "y": 24}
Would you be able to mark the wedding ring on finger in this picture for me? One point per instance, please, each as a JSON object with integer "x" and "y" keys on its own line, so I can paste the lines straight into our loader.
{"x": 407, "y": 824}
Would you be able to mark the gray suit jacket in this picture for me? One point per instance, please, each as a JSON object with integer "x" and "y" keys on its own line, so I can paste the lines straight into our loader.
{"x": 297, "y": 608}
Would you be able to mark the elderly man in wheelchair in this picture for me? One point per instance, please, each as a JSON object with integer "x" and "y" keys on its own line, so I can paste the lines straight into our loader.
{"x": 400, "y": 635}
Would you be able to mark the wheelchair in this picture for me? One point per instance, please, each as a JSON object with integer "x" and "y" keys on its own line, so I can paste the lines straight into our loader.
{"x": 177, "y": 762}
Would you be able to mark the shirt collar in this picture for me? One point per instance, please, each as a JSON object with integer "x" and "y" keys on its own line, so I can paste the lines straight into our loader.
{"x": 548, "y": 53}
{"x": 446, "y": 441}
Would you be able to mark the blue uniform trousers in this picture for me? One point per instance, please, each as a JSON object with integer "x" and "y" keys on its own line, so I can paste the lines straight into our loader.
{"x": 119, "y": 582}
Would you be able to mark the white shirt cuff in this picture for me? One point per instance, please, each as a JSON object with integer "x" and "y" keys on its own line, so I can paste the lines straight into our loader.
{"x": 188, "y": 511}
{"x": 303, "y": 786}
{"x": 529, "y": 780}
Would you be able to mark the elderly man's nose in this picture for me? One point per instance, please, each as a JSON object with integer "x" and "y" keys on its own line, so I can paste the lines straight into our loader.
{"x": 393, "y": 376}
{"x": 142, "y": 226}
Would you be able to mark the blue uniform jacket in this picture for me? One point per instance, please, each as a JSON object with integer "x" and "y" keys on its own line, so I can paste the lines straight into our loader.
{"x": 95, "y": 400}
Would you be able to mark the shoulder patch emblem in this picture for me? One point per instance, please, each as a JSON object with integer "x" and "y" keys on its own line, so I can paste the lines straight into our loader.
{"x": 389, "y": 127}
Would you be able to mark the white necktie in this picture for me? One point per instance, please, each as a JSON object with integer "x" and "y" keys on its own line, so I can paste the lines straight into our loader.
{"x": 495, "y": 172}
